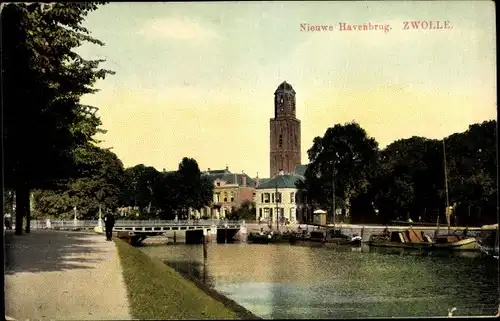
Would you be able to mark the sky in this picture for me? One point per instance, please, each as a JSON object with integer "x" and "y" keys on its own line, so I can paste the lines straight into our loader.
{"x": 198, "y": 79}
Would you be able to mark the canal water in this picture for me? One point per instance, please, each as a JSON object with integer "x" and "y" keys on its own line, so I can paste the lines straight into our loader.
{"x": 295, "y": 282}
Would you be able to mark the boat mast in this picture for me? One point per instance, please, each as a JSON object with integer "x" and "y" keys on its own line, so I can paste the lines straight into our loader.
{"x": 446, "y": 186}
{"x": 333, "y": 191}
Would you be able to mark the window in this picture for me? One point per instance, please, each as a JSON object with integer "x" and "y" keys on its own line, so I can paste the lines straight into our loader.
{"x": 281, "y": 141}
{"x": 218, "y": 183}
{"x": 266, "y": 197}
{"x": 278, "y": 197}
{"x": 292, "y": 197}
{"x": 260, "y": 213}
{"x": 217, "y": 198}
{"x": 292, "y": 214}
{"x": 232, "y": 196}
{"x": 266, "y": 212}
{"x": 225, "y": 197}
{"x": 272, "y": 200}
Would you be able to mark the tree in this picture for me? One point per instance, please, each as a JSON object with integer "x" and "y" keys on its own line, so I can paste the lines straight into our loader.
{"x": 194, "y": 190}
{"x": 141, "y": 186}
{"x": 472, "y": 168}
{"x": 410, "y": 180}
{"x": 99, "y": 185}
{"x": 246, "y": 211}
{"x": 344, "y": 154}
{"x": 43, "y": 82}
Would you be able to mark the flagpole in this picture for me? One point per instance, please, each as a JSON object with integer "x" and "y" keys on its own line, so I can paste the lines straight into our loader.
{"x": 446, "y": 186}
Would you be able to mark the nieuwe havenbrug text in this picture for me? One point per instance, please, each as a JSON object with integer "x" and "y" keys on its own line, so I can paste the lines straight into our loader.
{"x": 405, "y": 25}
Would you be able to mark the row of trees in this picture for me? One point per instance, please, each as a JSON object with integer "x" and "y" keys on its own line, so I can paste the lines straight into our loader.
{"x": 144, "y": 191}
{"x": 48, "y": 139}
{"x": 405, "y": 180}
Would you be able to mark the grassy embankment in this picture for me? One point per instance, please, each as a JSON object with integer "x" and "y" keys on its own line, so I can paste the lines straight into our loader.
{"x": 156, "y": 291}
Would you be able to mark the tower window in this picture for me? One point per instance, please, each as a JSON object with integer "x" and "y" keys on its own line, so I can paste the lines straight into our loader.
{"x": 281, "y": 141}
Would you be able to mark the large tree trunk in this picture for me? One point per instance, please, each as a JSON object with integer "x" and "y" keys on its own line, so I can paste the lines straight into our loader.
{"x": 27, "y": 194}
{"x": 22, "y": 208}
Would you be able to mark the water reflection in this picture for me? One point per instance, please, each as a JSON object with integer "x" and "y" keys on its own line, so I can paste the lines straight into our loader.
{"x": 282, "y": 281}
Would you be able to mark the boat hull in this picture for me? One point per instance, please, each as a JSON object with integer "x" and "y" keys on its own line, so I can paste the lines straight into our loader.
{"x": 401, "y": 245}
{"x": 467, "y": 244}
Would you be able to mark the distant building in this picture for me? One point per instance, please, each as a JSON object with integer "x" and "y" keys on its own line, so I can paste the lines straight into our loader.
{"x": 276, "y": 199}
{"x": 230, "y": 191}
{"x": 284, "y": 149}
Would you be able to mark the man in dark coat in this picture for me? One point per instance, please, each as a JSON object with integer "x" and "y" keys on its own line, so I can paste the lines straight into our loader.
{"x": 109, "y": 223}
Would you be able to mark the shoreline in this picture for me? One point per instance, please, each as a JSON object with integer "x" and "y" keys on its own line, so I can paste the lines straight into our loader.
{"x": 175, "y": 296}
{"x": 241, "y": 311}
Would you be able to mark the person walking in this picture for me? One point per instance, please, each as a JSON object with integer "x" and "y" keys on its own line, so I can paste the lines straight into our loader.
{"x": 109, "y": 222}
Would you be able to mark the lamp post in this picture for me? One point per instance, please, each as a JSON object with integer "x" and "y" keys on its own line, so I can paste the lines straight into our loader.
{"x": 277, "y": 208}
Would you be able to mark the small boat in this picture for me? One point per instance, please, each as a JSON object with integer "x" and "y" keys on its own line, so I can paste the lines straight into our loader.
{"x": 401, "y": 239}
{"x": 337, "y": 237}
{"x": 334, "y": 237}
{"x": 259, "y": 238}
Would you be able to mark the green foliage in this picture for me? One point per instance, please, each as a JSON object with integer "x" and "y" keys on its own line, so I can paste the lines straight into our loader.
{"x": 246, "y": 211}
{"x": 344, "y": 155}
{"x": 407, "y": 178}
{"x": 165, "y": 195}
{"x": 99, "y": 184}
{"x": 44, "y": 80}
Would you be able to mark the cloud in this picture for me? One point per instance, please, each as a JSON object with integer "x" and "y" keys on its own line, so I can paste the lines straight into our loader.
{"x": 180, "y": 29}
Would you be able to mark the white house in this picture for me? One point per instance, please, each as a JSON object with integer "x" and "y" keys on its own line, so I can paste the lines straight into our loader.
{"x": 277, "y": 196}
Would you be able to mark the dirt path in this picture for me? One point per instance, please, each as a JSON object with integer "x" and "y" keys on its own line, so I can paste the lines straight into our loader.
{"x": 53, "y": 275}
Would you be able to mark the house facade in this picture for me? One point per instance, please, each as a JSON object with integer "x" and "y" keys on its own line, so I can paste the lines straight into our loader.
{"x": 231, "y": 190}
{"x": 276, "y": 199}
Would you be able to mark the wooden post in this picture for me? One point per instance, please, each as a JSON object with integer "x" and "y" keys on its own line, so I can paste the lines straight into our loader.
{"x": 175, "y": 238}
{"x": 205, "y": 254}
{"x": 362, "y": 232}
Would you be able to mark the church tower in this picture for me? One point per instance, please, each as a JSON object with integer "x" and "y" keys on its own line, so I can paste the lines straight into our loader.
{"x": 285, "y": 132}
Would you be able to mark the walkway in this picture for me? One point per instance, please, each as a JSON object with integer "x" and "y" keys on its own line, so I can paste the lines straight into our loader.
{"x": 63, "y": 276}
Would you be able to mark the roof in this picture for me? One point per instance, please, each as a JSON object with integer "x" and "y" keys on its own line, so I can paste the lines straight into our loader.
{"x": 229, "y": 177}
{"x": 217, "y": 171}
{"x": 300, "y": 170}
{"x": 263, "y": 180}
{"x": 284, "y": 87}
{"x": 281, "y": 181}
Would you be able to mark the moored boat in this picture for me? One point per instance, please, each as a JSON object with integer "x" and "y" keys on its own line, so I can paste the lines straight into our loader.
{"x": 337, "y": 237}
{"x": 401, "y": 239}
{"x": 259, "y": 238}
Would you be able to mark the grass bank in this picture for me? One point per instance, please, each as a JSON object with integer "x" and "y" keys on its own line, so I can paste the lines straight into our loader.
{"x": 156, "y": 291}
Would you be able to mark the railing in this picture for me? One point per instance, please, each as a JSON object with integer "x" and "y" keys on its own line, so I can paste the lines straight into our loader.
{"x": 178, "y": 222}
{"x": 71, "y": 224}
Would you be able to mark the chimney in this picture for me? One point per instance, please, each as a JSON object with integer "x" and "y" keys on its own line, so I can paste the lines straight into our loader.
{"x": 236, "y": 179}
{"x": 209, "y": 169}
{"x": 164, "y": 170}
{"x": 257, "y": 180}
{"x": 244, "y": 179}
{"x": 227, "y": 168}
